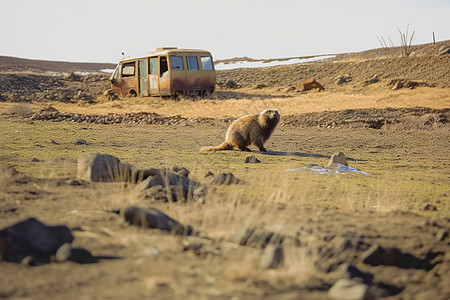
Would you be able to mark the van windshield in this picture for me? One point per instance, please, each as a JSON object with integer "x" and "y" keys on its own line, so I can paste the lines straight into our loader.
{"x": 207, "y": 63}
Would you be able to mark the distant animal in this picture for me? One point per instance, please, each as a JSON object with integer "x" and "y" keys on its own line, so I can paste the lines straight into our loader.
{"x": 312, "y": 84}
{"x": 252, "y": 129}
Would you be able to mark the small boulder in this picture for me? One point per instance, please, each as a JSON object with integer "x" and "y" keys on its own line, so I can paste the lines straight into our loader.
{"x": 252, "y": 160}
{"x": 79, "y": 255}
{"x": 33, "y": 239}
{"x": 154, "y": 218}
{"x": 311, "y": 84}
{"x": 71, "y": 77}
{"x": 224, "y": 179}
{"x": 347, "y": 289}
{"x": 337, "y": 158}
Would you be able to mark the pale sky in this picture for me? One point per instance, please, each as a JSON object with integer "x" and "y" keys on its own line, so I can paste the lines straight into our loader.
{"x": 100, "y": 30}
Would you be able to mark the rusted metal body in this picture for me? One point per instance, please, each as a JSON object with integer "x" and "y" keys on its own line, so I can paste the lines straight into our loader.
{"x": 165, "y": 72}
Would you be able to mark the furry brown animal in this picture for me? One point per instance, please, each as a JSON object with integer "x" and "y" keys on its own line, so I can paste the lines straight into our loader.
{"x": 252, "y": 129}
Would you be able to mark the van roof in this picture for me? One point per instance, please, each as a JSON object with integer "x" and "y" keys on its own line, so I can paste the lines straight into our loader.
{"x": 166, "y": 50}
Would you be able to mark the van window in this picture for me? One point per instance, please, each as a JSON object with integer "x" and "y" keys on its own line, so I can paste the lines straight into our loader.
{"x": 207, "y": 63}
{"x": 128, "y": 69}
{"x": 177, "y": 62}
{"x": 192, "y": 62}
{"x": 153, "y": 65}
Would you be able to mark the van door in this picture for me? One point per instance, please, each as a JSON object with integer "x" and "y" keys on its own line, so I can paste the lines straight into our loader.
{"x": 143, "y": 88}
{"x": 164, "y": 76}
{"x": 178, "y": 70}
{"x": 153, "y": 75}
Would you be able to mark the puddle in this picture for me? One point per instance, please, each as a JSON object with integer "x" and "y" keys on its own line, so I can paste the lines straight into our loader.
{"x": 341, "y": 169}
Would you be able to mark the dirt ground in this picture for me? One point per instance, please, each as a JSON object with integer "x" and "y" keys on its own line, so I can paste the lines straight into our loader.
{"x": 392, "y": 224}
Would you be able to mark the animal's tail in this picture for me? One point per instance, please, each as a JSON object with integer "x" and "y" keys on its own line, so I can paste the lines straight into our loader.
{"x": 223, "y": 146}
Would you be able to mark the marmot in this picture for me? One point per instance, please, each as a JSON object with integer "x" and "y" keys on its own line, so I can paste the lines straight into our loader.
{"x": 252, "y": 129}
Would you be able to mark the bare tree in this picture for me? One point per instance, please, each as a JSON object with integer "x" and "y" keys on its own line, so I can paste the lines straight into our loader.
{"x": 406, "y": 41}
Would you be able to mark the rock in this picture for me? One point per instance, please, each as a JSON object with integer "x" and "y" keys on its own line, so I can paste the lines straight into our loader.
{"x": 180, "y": 170}
{"x": 337, "y": 158}
{"x": 104, "y": 167}
{"x": 80, "y": 142}
{"x": 372, "y": 80}
{"x": 79, "y": 255}
{"x": 377, "y": 255}
{"x": 441, "y": 235}
{"x": 31, "y": 238}
{"x": 343, "y": 79}
{"x": 176, "y": 187}
{"x": 272, "y": 257}
{"x": 444, "y": 50}
{"x": 347, "y": 289}
{"x": 252, "y": 160}
{"x": 348, "y": 271}
{"x": 311, "y": 84}
{"x": 71, "y": 77}
{"x": 260, "y": 86}
{"x": 224, "y": 179}
{"x": 430, "y": 207}
{"x": 231, "y": 84}
{"x": 34, "y": 159}
{"x": 154, "y": 218}
{"x": 110, "y": 95}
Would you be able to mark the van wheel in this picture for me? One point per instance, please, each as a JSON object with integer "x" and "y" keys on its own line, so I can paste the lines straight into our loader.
{"x": 132, "y": 93}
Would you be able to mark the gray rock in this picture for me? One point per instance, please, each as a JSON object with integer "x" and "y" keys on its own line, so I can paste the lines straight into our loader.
{"x": 32, "y": 238}
{"x": 154, "y": 218}
{"x": 252, "y": 160}
{"x": 224, "y": 179}
{"x": 272, "y": 257}
{"x": 177, "y": 187}
{"x": 337, "y": 158}
{"x": 348, "y": 271}
{"x": 347, "y": 289}
{"x": 104, "y": 168}
{"x": 377, "y": 255}
{"x": 80, "y": 142}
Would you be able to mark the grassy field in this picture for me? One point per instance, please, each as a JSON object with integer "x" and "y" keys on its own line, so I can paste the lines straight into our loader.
{"x": 407, "y": 169}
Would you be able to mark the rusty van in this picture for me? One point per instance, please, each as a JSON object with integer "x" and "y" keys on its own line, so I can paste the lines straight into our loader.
{"x": 165, "y": 72}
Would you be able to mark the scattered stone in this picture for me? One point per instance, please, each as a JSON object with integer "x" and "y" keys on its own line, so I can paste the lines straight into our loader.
{"x": 80, "y": 142}
{"x": 173, "y": 186}
{"x": 337, "y": 158}
{"x": 311, "y": 84}
{"x": 209, "y": 173}
{"x": 347, "y": 289}
{"x": 272, "y": 257}
{"x": 343, "y": 79}
{"x": 34, "y": 159}
{"x": 406, "y": 83}
{"x": 372, "y": 80}
{"x": 225, "y": 179}
{"x": 231, "y": 84}
{"x": 180, "y": 170}
{"x": 260, "y": 86}
{"x": 110, "y": 95}
{"x": 430, "y": 207}
{"x": 71, "y": 77}
{"x": 33, "y": 239}
{"x": 252, "y": 160}
{"x": 154, "y": 218}
{"x": 55, "y": 143}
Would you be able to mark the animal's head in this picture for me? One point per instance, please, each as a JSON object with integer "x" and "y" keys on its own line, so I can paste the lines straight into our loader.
{"x": 271, "y": 114}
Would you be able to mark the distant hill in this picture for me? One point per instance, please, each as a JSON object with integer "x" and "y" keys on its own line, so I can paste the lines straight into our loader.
{"x": 15, "y": 64}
